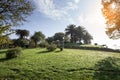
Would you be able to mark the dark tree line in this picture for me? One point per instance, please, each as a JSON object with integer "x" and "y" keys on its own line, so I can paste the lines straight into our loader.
{"x": 73, "y": 34}
{"x": 22, "y": 41}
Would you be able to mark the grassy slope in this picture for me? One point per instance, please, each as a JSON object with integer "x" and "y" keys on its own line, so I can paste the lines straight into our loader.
{"x": 70, "y": 64}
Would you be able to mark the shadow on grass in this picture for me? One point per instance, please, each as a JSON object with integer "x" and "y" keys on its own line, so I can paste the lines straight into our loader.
{"x": 43, "y": 52}
{"x": 1, "y": 52}
{"x": 108, "y": 69}
{"x": 58, "y": 51}
{"x": 48, "y": 51}
{"x": 4, "y": 59}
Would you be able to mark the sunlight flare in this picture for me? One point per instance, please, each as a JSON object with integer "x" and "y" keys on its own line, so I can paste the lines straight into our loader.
{"x": 113, "y": 6}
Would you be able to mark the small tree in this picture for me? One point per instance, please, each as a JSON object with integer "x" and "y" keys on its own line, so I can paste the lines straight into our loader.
{"x": 37, "y": 37}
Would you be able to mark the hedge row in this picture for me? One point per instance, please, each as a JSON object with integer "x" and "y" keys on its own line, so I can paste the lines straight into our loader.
{"x": 92, "y": 48}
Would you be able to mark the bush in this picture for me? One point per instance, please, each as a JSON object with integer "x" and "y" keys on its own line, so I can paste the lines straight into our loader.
{"x": 51, "y": 47}
{"x": 21, "y": 43}
{"x": 14, "y": 52}
{"x": 71, "y": 45}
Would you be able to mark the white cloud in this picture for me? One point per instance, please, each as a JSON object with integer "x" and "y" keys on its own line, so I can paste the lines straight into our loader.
{"x": 71, "y": 6}
{"x": 49, "y": 8}
{"x": 76, "y": 1}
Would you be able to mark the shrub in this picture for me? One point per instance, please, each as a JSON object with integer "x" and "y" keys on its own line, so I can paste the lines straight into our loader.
{"x": 21, "y": 43}
{"x": 71, "y": 45}
{"x": 51, "y": 47}
{"x": 14, "y": 52}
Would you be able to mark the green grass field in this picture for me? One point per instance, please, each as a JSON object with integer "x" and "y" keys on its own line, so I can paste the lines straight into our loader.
{"x": 70, "y": 64}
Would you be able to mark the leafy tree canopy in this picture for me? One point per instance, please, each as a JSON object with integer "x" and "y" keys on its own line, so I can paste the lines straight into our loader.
{"x": 111, "y": 12}
{"x": 22, "y": 33}
{"x": 59, "y": 36}
{"x": 78, "y": 34}
{"x": 12, "y": 13}
{"x": 37, "y": 37}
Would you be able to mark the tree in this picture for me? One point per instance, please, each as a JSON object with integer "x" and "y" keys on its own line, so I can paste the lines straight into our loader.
{"x": 22, "y": 33}
{"x": 50, "y": 40}
{"x": 111, "y": 12}
{"x": 87, "y": 38}
{"x": 4, "y": 35}
{"x": 71, "y": 30}
{"x": 37, "y": 37}
{"x": 12, "y": 13}
{"x": 21, "y": 42}
{"x": 5, "y": 42}
{"x": 59, "y": 36}
{"x": 80, "y": 33}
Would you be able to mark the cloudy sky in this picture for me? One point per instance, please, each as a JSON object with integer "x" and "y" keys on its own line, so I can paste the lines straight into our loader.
{"x": 51, "y": 16}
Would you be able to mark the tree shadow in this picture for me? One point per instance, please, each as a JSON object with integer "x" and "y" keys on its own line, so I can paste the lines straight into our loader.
{"x": 1, "y": 52}
{"x": 43, "y": 52}
{"x": 108, "y": 69}
{"x": 3, "y": 59}
{"x": 57, "y": 51}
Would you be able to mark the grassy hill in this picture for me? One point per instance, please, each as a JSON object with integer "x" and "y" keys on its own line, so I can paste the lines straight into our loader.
{"x": 70, "y": 64}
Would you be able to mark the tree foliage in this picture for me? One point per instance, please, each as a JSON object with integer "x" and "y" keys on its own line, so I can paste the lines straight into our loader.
{"x": 37, "y": 37}
{"x": 71, "y": 30}
{"x": 111, "y": 12}
{"x": 59, "y": 36}
{"x": 22, "y": 33}
{"x": 77, "y": 34}
{"x": 21, "y": 42}
{"x": 4, "y": 32}
{"x": 79, "y": 31}
{"x": 12, "y": 13}
{"x": 50, "y": 40}
{"x": 87, "y": 37}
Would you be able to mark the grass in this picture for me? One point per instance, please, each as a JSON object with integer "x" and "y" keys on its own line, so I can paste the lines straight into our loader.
{"x": 98, "y": 46}
{"x": 70, "y": 64}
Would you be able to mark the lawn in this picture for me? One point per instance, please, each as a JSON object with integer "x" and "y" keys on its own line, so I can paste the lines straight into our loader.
{"x": 70, "y": 64}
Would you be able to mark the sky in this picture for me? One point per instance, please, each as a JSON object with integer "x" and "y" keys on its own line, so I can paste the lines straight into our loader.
{"x": 51, "y": 16}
